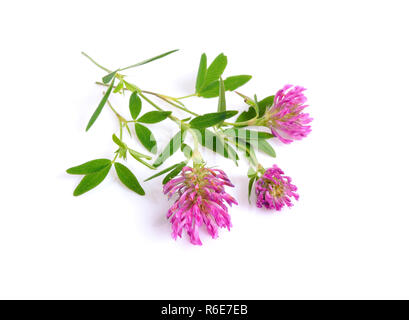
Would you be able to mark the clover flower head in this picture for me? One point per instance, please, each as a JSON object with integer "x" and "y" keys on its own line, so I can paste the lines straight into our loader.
{"x": 285, "y": 117}
{"x": 200, "y": 200}
{"x": 274, "y": 190}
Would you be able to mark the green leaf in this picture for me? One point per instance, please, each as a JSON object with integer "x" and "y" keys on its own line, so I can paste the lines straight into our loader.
{"x": 264, "y": 104}
{"x": 109, "y": 77}
{"x": 201, "y": 73}
{"x": 91, "y": 180}
{"x": 100, "y": 106}
{"x": 154, "y": 116}
{"x": 173, "y": 145}
{"x": 211, "y": 119}
{"x": 135, "y": 105}
{"x": 264, "y": 146}
{"x": 162, "y": 172}
{"x": 128, "y": 178}
{"x": 148, "y": 60}
{"x": 119, "y": 86}
{"x": 230, "y": 84}
{"x": 246, "y": 115}
{"x": 234, "y": 82}
{"x": 146, "y": 137}
{"x": 251, "y": 182}
{"x": 90, "y": 166}
{"x": 174, "y": 172}
{"x": 215, "y": 70}
{"x": 246, "y": 134}
{"x": 213, "y": 142}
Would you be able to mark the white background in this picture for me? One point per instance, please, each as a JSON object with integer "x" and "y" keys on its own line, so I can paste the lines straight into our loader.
{"x": 347, "y": 237}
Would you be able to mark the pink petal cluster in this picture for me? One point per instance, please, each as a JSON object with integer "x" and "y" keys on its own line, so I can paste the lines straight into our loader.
{"x": 201, "y": 198}
{"x": 285, "y": 117}
{"x": 274, "y": 190}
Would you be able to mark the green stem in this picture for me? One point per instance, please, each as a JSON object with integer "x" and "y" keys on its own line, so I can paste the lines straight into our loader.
{"x": 188, "y": 96}
{"x": 166, "y": 98}
{"x": 196, "y": 156}
{"x": 160, "y": 96}
{"x": 153, "y": 104}
{"x": 113, "y": 110}
{"x": 243, "y": 123}
{"x": 120, "y": 130}
{"x": 96, "y": 63}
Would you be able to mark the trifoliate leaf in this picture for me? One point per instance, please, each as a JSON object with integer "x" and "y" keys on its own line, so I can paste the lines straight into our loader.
{"x": 215, "y": 70}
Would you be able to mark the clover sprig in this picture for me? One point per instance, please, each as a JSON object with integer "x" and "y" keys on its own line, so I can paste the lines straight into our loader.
{"x": 213, "y": 130}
